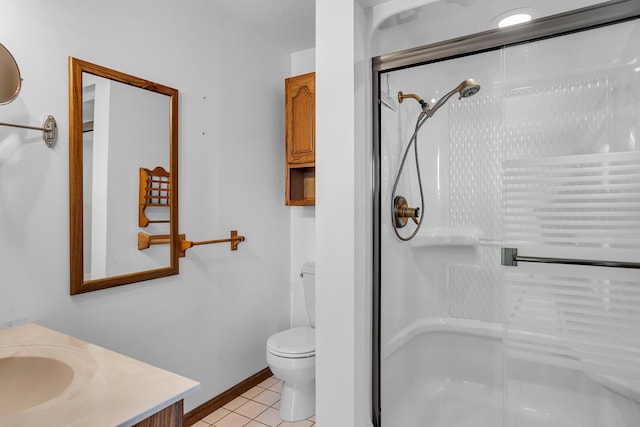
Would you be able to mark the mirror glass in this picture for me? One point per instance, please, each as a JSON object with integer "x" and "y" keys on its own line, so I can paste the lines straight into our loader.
{"x": 123, "y": 175}
{"x": 10, "y": 81}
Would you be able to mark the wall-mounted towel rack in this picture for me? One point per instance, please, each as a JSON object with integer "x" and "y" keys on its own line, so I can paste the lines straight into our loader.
{"x": 146, "y": 240}
{"x": 49, "y": 130}
{"x": 233, "y": 239}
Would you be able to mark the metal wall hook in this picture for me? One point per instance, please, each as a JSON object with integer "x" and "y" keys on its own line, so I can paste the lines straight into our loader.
{"x": 49, "y": 130}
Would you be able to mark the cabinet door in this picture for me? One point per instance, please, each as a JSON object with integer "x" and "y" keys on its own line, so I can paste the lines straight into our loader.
{"x": 300, "y": 118}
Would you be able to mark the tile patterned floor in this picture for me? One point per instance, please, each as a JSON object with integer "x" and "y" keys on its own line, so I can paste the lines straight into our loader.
{"x": 257, "y": 407}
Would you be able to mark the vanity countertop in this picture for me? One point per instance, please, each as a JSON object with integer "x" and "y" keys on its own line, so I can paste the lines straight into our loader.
{"x": 54, "y": 379}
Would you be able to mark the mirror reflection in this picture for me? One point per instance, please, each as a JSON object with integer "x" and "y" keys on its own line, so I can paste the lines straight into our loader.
{"x": 120, "y": 127}
{"x": 124, "y": 128}
{"x": 10, "y": 81}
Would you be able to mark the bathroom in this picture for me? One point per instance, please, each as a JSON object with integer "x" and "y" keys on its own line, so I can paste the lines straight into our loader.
{"x": 211, "y": 321}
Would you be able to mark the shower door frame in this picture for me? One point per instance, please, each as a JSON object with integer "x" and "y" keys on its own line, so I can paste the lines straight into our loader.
{"x": 608, "y": 13}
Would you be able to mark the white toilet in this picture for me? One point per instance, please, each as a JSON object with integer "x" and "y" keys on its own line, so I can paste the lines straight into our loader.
{"x": 291, "y": 355}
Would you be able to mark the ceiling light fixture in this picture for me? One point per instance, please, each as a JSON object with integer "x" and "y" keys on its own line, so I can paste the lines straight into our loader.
{"x": 514, "y": 17}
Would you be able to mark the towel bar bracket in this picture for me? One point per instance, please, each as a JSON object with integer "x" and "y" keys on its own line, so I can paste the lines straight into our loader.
{"x": 49, "y": 130}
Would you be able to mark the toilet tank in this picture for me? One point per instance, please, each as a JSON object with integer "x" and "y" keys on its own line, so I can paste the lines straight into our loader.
{"x": 308, "y": 275}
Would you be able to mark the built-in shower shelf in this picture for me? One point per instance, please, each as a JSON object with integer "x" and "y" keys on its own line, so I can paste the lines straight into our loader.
{"x": 447, "y": 236}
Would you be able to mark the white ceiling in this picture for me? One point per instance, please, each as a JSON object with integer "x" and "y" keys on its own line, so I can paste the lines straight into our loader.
{"x": 291, "y": 23}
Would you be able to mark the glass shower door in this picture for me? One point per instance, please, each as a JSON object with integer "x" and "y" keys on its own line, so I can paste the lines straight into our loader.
{"x": 506, "y": 309}
{"x": 571, "y": 190}
{"x": 441, "y": 296}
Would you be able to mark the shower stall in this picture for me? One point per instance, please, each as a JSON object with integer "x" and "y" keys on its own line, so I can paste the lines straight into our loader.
{"x": 517, "y": 301}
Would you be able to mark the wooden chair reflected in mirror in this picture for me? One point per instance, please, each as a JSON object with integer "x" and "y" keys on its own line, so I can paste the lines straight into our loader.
{"x": 155, "y": 192}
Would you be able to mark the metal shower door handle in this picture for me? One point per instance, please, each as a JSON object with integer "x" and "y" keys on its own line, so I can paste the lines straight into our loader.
{"x": 510, "y": 258}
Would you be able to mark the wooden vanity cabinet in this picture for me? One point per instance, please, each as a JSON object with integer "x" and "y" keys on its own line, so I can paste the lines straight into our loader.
{"x": 171, "y": 416}
{"x": 300, "y": 140}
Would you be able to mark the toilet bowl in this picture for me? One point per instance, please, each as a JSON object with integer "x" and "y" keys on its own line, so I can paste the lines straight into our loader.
{"x": 291, "y": 356}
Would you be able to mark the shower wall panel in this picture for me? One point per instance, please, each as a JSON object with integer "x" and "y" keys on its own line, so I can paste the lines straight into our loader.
{"x": 424, "y": 270}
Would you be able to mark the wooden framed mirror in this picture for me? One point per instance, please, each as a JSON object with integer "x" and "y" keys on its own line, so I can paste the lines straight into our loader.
{"x": 119, "y": 124}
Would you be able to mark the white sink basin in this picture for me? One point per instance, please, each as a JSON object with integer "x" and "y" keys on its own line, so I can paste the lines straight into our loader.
{"x": 29, "y": 381}
{"x": 32, "y": 375}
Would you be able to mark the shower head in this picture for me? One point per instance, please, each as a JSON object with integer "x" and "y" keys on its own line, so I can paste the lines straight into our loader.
{"x": 466, "y": 89}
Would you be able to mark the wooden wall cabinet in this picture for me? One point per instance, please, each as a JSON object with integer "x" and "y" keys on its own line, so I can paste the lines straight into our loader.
{"x": 300, "y": 140}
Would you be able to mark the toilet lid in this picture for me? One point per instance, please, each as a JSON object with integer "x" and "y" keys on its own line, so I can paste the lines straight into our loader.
{"x": 293, "y": 343}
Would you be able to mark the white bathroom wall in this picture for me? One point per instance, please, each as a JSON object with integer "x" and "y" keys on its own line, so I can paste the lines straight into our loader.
{"x": 335, "y": 334}
{"x": 303, "y": 218}
{"x": 211, "y": 321}
{"x": 343, "y": 218}
{"x": 303, "y": 62}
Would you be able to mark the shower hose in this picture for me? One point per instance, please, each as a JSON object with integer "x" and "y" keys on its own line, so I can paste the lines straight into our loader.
{"x": 422, "y": 118}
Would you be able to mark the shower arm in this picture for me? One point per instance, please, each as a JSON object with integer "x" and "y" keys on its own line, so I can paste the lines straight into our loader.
{"x": 425, "y": 107}
{"x": 403, "y": 96}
